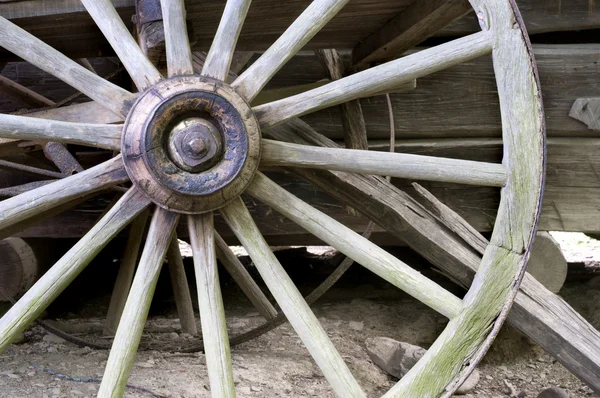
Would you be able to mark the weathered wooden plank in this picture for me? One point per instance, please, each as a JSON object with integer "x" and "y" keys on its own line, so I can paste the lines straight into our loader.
{"x": 23, "y": 94}
{"x": 462, "y": 101}
{"x": 377, "y": 79}
{"x": 542, "y": 16}
{"x": 453, "y": 221}
{"x": 65, "y": 25}
{"x": 419, "y": 21}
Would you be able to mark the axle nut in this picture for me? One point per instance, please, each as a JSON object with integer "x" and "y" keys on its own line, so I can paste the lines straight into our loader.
{"x": 195, "y": 145}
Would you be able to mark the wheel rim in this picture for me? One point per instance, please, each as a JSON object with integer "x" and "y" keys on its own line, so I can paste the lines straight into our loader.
{"x": 149, "y": 130}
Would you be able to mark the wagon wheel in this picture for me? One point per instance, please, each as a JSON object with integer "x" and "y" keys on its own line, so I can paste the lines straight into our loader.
{"x": 191, "y": 145}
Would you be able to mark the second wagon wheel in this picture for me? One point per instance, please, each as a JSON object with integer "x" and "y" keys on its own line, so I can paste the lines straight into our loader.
{"x": 191, "y": 145}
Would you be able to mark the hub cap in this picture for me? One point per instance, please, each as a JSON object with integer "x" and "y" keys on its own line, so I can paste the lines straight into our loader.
{"x": 191, "y": 144}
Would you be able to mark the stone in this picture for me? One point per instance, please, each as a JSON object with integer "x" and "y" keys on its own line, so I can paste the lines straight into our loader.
{"x": 469, "y": 384}
{"x": 173, "y": 336}
{"x": 553, "y": 392}
{"x": 50, "y": 338}
{"x": 394, "y": 357}
{"x": 358, "y": 326}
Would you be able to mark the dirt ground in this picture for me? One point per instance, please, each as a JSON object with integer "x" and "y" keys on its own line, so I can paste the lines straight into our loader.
{"x": 275, "y": 364}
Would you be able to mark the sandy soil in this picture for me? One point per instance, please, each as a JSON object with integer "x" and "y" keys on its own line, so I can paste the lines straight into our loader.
{"x": 277, "y": 364}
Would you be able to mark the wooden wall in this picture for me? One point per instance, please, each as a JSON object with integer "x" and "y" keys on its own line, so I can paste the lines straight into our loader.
{"x": 452, "y": 113}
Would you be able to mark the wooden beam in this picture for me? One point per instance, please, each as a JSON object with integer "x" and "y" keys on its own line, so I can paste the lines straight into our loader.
{"x": 353, "y": 121}
{"x": 181, "y": 289}
{"x": 65, "y": 25}
{"x": 421, "y": 20}
{"x": 23, "y": 94}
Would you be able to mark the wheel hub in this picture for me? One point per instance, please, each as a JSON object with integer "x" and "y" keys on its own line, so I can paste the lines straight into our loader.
{"x": 191, "y": 144}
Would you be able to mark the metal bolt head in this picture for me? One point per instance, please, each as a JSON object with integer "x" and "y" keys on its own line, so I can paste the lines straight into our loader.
{"x": 195, "y": 145}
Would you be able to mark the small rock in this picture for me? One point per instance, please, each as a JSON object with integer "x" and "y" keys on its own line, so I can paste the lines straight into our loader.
{"x": 51, "y": 349}
{"x": 18, "y": 339}
{"x": 394, "y": 357}
{"x": 50, "y": 338}
{"x": 11, "y": 375}
{"x": 147, "y": 365}
{"x": 255, "y": 389}
{"x": 553, "y": 392}
{"x": 186, "y": 336}
{"x": 469, "y": 384}
{"x": 173, "y": 336}
{"x": 358, "y": 326}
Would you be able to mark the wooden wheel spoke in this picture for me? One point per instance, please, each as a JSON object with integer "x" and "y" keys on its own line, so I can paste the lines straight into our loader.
{"x": 29, "y": 128}
{"x": 355, "y": 246}
{"x": 179, "y": 53}
{"x": 210, "y": 301}
{"x": 417, "y": 167}
{"x": 37, "y": 201}
{"x": 55, "y": 280}
{"x": 243, "y": 278}
{"x": 221, "y": 51}
{"x": 376, "y": 80}
{"x": 141, "y": 70}
{"x": 131, "y": 326}
{"x": 291, "y": 301}
{"x": 181, "y": 288}
{"x": 87, "y": 112}
{"x": 38, "y": 53}
{"x": 309, "y": 23}
{"x": 125, "y": 274}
